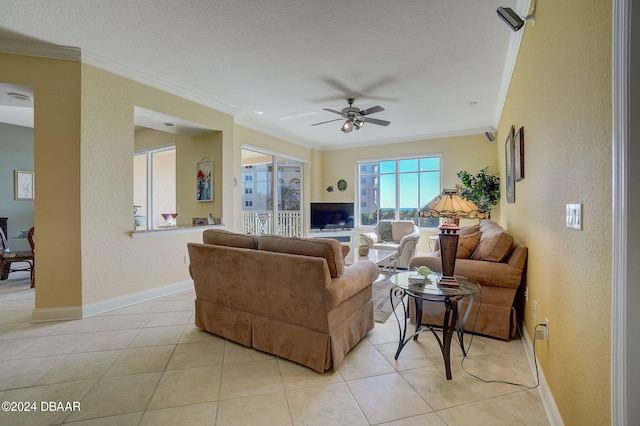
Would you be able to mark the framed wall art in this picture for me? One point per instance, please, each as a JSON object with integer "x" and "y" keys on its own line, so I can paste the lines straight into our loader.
{"x": 518, "y": 144}
{"x": 24, "y": 189}
{"x": 204, "y": 180}
{"x": 509, "y": 166}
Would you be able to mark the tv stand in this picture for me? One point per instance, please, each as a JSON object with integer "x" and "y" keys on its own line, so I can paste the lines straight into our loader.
{"x": 345, "y": 236}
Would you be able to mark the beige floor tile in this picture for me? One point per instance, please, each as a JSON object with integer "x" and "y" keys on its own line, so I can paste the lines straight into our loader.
{"x": 413, "y": 355}
{"x": 431, "y": 419}
{"x": 235, "y": 352}
{"x": 132, "y": 419}
{"x": 21, "y": 373}
{"x": 12, "y": 317}
{"x": 6, "y": 327}
{"x": 54, "y": 345}
{"x": 69, "y": 394}
{"x": 82, "y": 366}
{"x": 267, "y": 409}
{"x": 16, "y": 305}
{"x": 387, "y": 397}
{"x": 28, "y": 329}
{"x": 107, "y": 340}
{"x": 188, "y": 386}
{"x": 8, "y": 348}
{"x": 113, "y": 396}
{"x": 431, "y": 384}
{"x": 296, "y": 376}
{"x": 161, "y": 319}
{"x": 177, "y": 305}
{"x": 85, "y": 325}
{"x": 193, "y": 334}
{"x": 141, "y": 308}
{"x": 250, "y": 378}
{"x": 191, "y": 355}
{"x": 526, "y": 406}
{"x": 141, "y": 360}
{"x": 384, "y": 333}
{"x": 196, "y": 414}
{"x": 126, "y": 322}
{"x": 325, "y": 405}
{"x": 482, "y": 413}
{"x": 364, "y": 362}
{"x": 157, "y": 336}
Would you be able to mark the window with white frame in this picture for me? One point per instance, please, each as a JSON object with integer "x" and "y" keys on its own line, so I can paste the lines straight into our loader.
{"x": 154, "y": 189}
{"x": 396, "y": 188}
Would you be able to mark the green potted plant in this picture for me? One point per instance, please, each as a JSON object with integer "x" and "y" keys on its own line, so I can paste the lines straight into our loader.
{"x": 483, "y": 189}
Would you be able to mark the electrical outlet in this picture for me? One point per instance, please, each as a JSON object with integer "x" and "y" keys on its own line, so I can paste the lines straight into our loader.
{"x": 186, "y": 259}
{"x": 546, "y": 329}
{"x": 535, "y": 310}
{"x": 526, "y": 294}
{"x": 574, "y": 216}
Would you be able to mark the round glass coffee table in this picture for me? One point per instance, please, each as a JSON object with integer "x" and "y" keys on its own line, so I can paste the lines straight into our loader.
{"x": 420, "y": 289}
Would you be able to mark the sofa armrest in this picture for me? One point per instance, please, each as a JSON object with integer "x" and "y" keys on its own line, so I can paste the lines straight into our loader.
{"x": 368, "y": 239}
{"x": 409, "y": 242}
{"x": 355, "y": 278}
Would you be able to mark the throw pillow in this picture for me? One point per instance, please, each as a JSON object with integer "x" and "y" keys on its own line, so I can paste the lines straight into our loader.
{"x": 494, "y": 246}
{"x": 467, "y": 244}
{"x": 384, "y": 227}
{"x": 468, "y": 230}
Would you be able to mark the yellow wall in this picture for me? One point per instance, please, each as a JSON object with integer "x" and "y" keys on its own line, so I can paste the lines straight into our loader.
{"x": 56, "y": 86}
{"x": 561, "y": 94}
{"x": 112, "y": 261}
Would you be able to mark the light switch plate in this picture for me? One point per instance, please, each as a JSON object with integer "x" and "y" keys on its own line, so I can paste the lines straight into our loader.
{"x": 574, "y": 216}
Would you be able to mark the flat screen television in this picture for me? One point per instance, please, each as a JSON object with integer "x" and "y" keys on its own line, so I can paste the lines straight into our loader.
{"x": 332, "y": 216}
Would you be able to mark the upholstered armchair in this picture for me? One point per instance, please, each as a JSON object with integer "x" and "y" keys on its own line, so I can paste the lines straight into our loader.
{"x": 399, "y": 235}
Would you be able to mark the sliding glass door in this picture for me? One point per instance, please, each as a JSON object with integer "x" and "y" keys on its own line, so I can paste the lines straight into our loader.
{"x": 271, "y": 201}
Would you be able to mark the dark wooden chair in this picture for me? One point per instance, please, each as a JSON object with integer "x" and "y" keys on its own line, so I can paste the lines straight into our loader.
{"x": 9, "y": 257}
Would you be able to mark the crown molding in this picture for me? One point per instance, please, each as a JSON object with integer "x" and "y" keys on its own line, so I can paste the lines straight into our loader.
{"x": 42, "y": 50}
{"x": 140, "y": 77}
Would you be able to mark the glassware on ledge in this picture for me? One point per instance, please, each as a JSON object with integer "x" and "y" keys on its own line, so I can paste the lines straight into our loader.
{"x": 166, "y": 217}
{"x": 174, "y": 216}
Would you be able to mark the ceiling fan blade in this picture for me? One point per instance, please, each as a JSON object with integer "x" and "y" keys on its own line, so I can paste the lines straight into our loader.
{"x": 371, "y": 110}
{"x": 333, "y": 110}
{"x": 376, "y": 121}
{"x": 324, "y": 122}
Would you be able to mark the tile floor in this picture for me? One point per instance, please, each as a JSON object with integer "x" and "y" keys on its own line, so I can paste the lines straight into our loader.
{"x": 148, "y": 364}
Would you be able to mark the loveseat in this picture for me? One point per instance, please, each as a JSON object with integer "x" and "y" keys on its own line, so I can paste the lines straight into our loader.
{"x": 398, "y": 235}
{"x": 291, "y": 297}
{"x": 491, "y": 256}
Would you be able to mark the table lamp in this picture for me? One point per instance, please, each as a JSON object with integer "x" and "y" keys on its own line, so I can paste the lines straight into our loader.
{"x": 451, "y": 205}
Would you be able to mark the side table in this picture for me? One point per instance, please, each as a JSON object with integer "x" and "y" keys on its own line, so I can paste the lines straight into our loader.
{"x": 419, "y": 291}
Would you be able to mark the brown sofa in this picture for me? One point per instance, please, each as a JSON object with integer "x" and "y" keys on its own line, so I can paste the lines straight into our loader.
{"x": 291, "y": 297}
{"x": 497, "y": 261}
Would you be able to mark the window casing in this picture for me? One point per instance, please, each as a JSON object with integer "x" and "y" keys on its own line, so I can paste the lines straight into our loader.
{"x": 396, "y": 188}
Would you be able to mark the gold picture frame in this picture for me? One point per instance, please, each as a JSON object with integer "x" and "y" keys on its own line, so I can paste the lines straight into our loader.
{"x": 24, "y": 185}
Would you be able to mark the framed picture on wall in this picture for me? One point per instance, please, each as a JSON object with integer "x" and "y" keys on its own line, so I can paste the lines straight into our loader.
{"x": 509, "y": 166}
{"x": 204, "y": 180}
{"x": 24, "y": 189}
{"x": 518, "y": 144}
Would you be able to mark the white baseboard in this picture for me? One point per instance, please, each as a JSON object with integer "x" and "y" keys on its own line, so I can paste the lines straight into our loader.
{"x": 79, "y": 312}
{"x": 550, "y": 407}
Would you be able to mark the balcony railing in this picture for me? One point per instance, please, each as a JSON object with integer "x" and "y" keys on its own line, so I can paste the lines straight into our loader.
{"x": 258, "y": 222}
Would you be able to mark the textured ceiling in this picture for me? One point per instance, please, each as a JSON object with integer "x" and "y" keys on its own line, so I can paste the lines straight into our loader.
{"x": 437, "y": 67}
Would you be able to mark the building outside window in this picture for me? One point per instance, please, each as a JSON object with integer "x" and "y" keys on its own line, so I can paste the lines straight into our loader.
{"x": 396, "y": 188}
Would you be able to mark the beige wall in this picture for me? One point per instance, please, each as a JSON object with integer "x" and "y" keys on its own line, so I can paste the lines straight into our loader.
{"x": 56, "y": 86}
{"x": 561, "y": 94}
{"x": 113, "y": 262}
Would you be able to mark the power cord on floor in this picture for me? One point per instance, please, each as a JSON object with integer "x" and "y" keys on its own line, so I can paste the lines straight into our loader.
{"x": 535, "y": 360}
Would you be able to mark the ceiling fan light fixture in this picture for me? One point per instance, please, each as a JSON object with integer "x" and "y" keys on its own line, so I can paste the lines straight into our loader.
{"x": 358, "y": 124}
{"x": 347, "y": 126}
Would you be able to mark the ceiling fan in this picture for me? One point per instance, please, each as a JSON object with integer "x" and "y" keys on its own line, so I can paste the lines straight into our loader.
{"x": 354, "y": 118}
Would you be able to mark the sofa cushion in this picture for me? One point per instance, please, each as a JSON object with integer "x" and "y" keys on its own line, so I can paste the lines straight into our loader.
{"x": 220, "y": 237}
{"x": 495, "y": 244}
{"x": 467, "y": 244}
{"x": 327, "y": 248}
{"x": 401, "y": 228}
